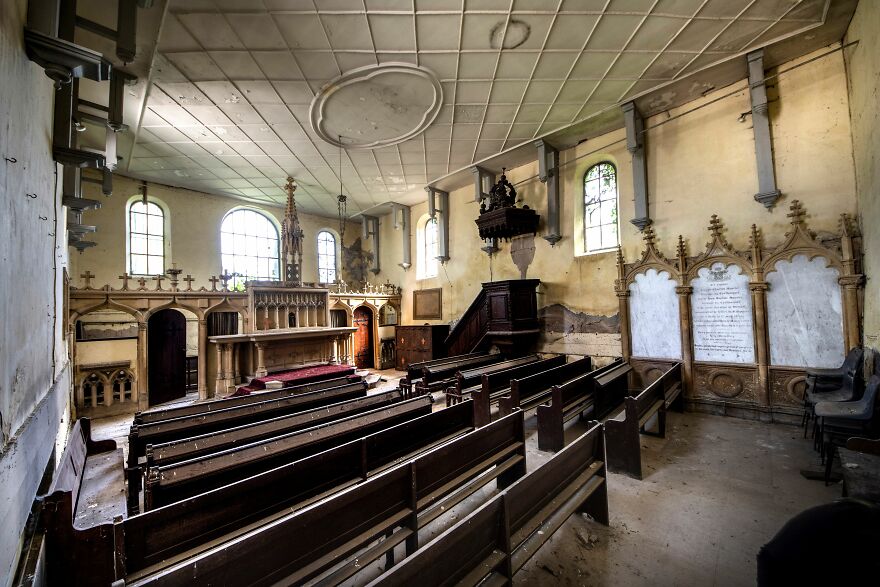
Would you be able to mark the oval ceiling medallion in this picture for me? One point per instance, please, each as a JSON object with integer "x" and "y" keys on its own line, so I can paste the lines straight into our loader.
{"x": 376, "y": 106}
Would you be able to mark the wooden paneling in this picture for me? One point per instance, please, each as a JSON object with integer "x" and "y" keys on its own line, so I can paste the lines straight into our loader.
{"x": 420, "y": 343}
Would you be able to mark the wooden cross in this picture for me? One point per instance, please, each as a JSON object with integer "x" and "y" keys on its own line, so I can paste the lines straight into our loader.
{"x": 189, "y": 282}
{"x": 213, "y": 281}
{"x": 125, "y": 277}
{"x": 158, "y": 279}
{"x": 88, "y": 276}
{"x": 797, "y": 212}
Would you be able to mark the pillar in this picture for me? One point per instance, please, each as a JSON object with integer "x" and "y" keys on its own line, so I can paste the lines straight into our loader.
{"x": 203, "y": 359}
{"x": 762, "y": 351}
{"x": 261, "y": 360}
{"x": 219, "y": 388}
{"x": 687, "y": 347}
{"x": 142, "y": 398}
{"x": 635, "y": 144}
{"x": 767, "y": 191}
{"x": 548, "y": 173}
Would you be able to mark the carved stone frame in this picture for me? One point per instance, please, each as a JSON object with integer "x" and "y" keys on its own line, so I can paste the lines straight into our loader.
{"x": 761, "y": 389}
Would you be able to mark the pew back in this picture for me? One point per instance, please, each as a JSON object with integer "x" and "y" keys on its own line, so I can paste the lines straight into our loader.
{"x": 167, "y": 430}
{"x": 531, "y": 388}
{"x": 157, "y": 414}
{"x": 182, "y": 480}
{"x": 194, "y": 446}
{"x": 495, "y": 382}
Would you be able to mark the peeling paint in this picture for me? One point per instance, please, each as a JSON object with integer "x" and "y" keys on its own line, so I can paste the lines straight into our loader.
{"x": 558, "y": 318}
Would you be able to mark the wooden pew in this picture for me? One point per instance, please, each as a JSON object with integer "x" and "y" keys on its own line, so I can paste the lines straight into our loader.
{"x": 155, "y": 415}
{"x": 466, "y": 380}
{"x": 414, "y": 371}
{"x": 170, "y": 483}
{"x": 175, "y": 451}
{"x": 597, "y": 393}
{"x": 527, "y": 392}
{"x": 152, "y": 537}
{"x": 141, "y": 435}
{"x": 491, "y": 544}
{"x": 495, "y": 384}
{"x": 622, "y": 430}
{"x": 86, "y": 496}
{"x": 338, "y": 536}
{"x": 439, "y": 377}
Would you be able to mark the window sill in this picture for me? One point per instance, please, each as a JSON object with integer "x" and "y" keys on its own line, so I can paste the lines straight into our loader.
{"x": 596, "y": 253}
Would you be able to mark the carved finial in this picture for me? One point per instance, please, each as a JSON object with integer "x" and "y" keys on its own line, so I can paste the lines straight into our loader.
{"x": 681, "y": 251}
{"x": 649, "y": 235}
{"x": 797, "y": 213}
{"x": 620, "y": 260}
{"x": 845, "y": 226}
{"x": 755, "y": 237}
{"x": 715, "y": 226}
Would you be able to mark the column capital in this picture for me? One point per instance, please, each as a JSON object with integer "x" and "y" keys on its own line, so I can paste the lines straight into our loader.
{"x": 851, "y": 281}
{"x": 757, "y": 286}
{"x": 684, "y": 290}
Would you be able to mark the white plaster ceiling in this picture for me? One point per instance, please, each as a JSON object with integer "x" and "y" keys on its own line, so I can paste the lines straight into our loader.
{"x": 232, "y": 81}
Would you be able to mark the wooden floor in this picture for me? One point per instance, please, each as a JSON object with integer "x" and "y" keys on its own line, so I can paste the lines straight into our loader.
{"x": 715, "y": 490}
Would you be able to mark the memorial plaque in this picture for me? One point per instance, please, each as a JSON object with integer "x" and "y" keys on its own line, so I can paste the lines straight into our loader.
{"x": 804, "y": 314}
{"x": 654, "y": 321}
{"x": 721, "y": 309}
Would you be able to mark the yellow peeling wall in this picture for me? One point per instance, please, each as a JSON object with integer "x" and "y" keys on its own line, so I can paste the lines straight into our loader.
{"x": 698, "y": 165}
{"x": 863, "y": 71}
{"x": 193, "y": 240}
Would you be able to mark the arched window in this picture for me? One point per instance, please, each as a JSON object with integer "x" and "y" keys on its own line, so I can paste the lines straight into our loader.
{"x": 427, "y": 237}
{"x": 326, "y": 257}
{"x": 249, "y": 247}
{"x": 146, "y": 239}
{"x": 600, "y": 208}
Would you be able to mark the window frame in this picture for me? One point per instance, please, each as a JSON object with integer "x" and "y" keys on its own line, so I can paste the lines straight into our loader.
{"x": 318, "y": 254}
{"x": 130, "y": 234}
{"x": 423, "y": 258}
{"x": 238, "y": 281}
{"x": 585, "y": 212}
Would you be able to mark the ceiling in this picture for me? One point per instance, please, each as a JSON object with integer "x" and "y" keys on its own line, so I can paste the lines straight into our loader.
{"x": 438, "y": 85}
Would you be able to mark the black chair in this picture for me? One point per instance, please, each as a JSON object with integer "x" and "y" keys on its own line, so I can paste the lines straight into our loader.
{"x": 834, "y": 385}
{"x": 843, "y": 420}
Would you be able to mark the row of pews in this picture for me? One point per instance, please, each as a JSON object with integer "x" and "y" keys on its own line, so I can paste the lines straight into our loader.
{"x": 342, "y": 478}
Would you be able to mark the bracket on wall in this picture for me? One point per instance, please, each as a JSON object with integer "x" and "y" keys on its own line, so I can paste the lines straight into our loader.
{"x": 483, "y": 182}
{"x": 402, "y": 217}
{"x": 548, "y": 173}
{"x": 635, "y": 144}
{"x": 371, "y": 229}
{"x": 768, "y": 193}
{"x": 438, "y": 201}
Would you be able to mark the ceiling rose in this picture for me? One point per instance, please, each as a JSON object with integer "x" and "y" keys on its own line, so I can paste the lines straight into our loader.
{"x": 376, "y": 106}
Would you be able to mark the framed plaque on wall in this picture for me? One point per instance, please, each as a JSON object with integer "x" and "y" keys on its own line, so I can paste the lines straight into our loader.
{"x": 427, "y": 304}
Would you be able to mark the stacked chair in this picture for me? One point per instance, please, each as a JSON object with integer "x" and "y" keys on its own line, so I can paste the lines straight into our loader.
{"x": 840, "y": 421}
{"x": 843, "y": 384}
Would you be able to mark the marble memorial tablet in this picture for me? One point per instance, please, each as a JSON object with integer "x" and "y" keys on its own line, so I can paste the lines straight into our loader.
{"x": 804, "y": 314}
{"x": 653, "y": 316}
{"x": 721, "y": 310}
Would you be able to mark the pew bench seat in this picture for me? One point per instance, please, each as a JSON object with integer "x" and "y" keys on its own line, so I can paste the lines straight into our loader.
{"x": 86, "y": 496}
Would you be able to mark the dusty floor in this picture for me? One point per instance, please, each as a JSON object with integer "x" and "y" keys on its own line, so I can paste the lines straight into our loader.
{"x": 715, "y": 490}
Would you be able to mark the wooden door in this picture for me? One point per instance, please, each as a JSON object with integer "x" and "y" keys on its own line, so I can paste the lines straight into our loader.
{"x": 166, "y": 352}
{"x": 363, "y": 338}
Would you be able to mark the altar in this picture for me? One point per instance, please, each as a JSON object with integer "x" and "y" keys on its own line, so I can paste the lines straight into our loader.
{"x": 241, "y": 357}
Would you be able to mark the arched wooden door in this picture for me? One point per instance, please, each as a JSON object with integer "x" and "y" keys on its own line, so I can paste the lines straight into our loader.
{"x": 166, "y": 354}
{"x": 363, "y": 338}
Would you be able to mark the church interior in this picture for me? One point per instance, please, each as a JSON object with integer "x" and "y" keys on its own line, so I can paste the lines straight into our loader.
{"x": 447, "y": 292}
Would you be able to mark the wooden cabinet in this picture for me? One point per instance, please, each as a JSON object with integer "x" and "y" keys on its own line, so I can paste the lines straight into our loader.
{"x": 420, "y": 343}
